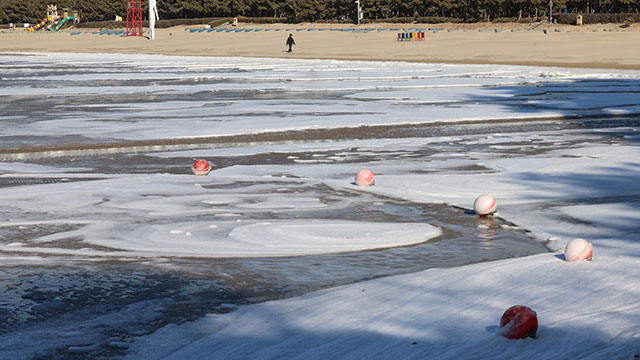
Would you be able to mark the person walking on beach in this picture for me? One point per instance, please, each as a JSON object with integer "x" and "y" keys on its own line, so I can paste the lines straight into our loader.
{"x": 290, "y": 42}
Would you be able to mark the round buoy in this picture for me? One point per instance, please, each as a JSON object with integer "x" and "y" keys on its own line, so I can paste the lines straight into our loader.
{"x": 201, "y": 167}
{"x": 519, "y": 322}
{"x": 578, "y": 249}
{"x": 485, "y": 205}
{"x": 365, "y": 177}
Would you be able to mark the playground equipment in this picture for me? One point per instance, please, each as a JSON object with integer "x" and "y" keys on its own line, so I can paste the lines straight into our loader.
{"x": 39, "y": 25}
{"x": 54, "y": 21}
{"x": 52, "y": 16}
{"x": 62, "y": 22}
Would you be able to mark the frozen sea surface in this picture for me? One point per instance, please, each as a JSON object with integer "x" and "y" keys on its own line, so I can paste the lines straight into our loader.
{"x": 105, "y": 236}
{"x": 71, "y": 99}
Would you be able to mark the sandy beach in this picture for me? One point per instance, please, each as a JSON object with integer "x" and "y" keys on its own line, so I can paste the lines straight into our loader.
{"x": 589, "y": 46}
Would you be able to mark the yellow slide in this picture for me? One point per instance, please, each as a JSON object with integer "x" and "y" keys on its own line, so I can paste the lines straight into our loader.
{"x": 39, "y": 25}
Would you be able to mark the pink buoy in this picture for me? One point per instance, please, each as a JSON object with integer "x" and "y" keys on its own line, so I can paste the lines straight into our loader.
{"x": 485, "y": 205}
{"x": 578, "y": 249}
{"x": 201, "y": 167}
{"x": 365, "y": 177}
{"x": 519, "y": 322}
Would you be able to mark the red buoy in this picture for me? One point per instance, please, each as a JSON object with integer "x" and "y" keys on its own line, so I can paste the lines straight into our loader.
{"x": 365, "y": 177}
{"x": 519, "y": 322}
{"x": 201, "y": 167}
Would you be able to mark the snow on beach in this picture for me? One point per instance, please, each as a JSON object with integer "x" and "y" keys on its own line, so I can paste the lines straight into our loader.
{"x": 586, "y": 310}
{"x": 560, "y": 182}
{"x": 151, "y": 197}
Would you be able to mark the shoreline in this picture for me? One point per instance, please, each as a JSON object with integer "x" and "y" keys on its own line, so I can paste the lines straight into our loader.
{"x": 604, "y": 46}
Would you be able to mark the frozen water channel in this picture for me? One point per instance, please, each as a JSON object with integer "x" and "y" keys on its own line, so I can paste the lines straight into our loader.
{"x": 53, "y": 274}
{"x": 102, "y": 241}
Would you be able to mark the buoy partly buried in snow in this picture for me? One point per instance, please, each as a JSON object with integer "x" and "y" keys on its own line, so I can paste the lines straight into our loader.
{"x": 578, "y": 249}
{"x": 485, "y": 205}
{"x": 365, "y": 177}
{"x": 519, "y": 322}
{"x": 201, "y": 167}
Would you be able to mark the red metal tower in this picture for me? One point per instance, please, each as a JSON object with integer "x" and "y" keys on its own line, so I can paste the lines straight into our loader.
{"x": 134, "y": 18}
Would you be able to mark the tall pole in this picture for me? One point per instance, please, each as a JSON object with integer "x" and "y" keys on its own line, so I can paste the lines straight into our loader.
{"x": 153, "y": 16}
{"x": 550, "y": 9}
{"x": 359, "y": 12}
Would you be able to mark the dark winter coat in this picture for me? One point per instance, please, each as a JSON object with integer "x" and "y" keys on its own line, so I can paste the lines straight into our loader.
{"x": 290, "y": 41}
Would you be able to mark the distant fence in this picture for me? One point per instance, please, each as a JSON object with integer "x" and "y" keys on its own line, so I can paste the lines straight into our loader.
{"x": 597, "y": 18}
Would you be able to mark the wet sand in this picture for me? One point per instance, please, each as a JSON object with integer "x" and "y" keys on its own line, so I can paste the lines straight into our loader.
{"x": 591, "y": 46}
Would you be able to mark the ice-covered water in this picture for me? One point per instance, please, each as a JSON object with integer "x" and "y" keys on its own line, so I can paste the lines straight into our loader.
{"x": 72, "y": 99}
{"x": 86, "y": 230}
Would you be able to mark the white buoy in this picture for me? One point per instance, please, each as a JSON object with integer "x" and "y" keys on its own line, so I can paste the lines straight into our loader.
{"x": 201, "y": 167}
{"x": 578, "y": 249}
{"x": 365, "y": 177}
{"x": 485, "y": 205}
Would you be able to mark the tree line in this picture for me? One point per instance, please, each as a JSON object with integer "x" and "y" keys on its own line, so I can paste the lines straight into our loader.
{"x": 18, "y": 11}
